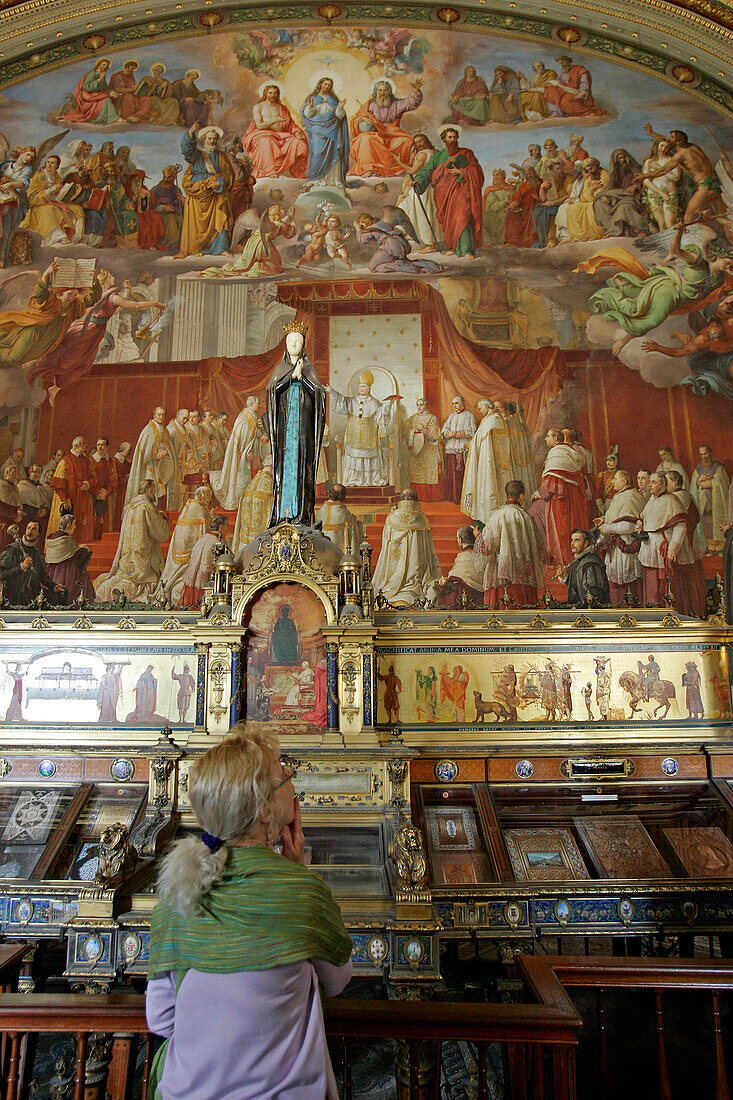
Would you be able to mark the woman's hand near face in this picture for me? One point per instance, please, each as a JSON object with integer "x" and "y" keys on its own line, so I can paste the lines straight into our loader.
{"x": 293, "y": 840}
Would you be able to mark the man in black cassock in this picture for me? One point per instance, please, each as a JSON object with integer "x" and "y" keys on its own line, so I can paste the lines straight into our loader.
{"x": 23, "y": 571}
{"x": 296, "y": 417}
{"x": 587, "y": 573}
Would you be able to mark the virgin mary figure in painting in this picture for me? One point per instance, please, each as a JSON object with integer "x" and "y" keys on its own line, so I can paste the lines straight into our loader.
{"x": 296, "y": 417}
{"x": 327, "y": 129}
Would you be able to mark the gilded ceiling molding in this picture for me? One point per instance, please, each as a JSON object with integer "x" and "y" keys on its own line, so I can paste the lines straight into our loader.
{"x": 702, "y": 25}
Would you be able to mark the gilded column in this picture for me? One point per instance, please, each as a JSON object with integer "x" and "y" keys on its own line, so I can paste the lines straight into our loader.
{"x": 332, "y": 702}
{"x": 235, "y": 706}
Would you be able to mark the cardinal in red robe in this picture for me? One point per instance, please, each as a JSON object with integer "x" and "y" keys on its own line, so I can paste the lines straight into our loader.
{"x": 560, "y": 505}
{"x": 73, "y": 483}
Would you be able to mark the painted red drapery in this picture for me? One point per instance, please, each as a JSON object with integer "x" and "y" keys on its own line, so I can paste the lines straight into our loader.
{"x": 528, "y": 376}
{"x": 226, "y": 382}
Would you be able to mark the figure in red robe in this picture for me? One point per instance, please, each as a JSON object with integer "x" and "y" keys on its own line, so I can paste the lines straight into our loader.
{"x": 74, "y": 356}
{"x": 453, "y": 687}
{"x": 274, "y": 143}
{"x": 317, "y": 716}
{"x": 457, "y": 181}
{"x": 570, "y": 95}
{"x": 519, "y": 229}
{"x": 560, "y": 505}
{"x": 106, "y": 483}
{"x": 150, "y": 228}
{"x": 132, "y": 107}
{"x": 73, "y": 484}
{"x": 122, "y": 464}
{"x": 95, "y": 101}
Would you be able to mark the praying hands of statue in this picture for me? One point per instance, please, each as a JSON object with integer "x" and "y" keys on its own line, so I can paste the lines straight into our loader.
{"x": 298, "y": 372}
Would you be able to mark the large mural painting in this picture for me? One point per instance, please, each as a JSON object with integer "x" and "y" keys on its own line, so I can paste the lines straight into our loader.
{"x": 514, "y": 261}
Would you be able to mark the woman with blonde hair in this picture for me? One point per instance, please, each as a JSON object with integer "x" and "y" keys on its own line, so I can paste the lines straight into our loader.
{"x": 240, "y": 939}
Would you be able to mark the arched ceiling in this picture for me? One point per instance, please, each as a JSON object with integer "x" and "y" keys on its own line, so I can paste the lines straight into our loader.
{"x": 688, "y": 44}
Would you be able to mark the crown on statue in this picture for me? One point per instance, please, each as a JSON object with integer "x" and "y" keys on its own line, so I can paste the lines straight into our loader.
{"x": 296, "y": 326}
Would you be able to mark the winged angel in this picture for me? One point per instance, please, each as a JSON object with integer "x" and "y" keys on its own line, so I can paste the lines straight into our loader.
{"x": 692, "y": 279}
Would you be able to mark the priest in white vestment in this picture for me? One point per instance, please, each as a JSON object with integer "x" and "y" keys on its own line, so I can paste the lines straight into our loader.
{"x": 515, "y": 552}
{"x": 489, "y": 464}
{"x": 201, "y": 562}
{"x": 424, "y": 444}
{"x": 153, "y": 459}
{"x": 200, "y": 443}
{"x": 709, "y": 486}
{"x": 180, "y": 446}
{"x": 458, "y": 431}
{"x": 241, "y": 458}
{"x": 667, "y": 546}
{"x": 523, "y": 461}
{"x": 367, "y": 420}
{"x": 338, "y": 523}
{"x": 407, "y": 565}
{"x": 193, "y": 522}
{"x": 139, "y": 560}
{"x": 618, "y": 527}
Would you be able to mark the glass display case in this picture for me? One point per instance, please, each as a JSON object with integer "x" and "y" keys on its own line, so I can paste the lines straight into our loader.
{"x": 350, "y": 858}
{"x": 623, "y": 844}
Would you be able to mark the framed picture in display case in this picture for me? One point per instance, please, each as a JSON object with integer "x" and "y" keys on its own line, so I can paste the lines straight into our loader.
{"x": 461, "y": 868}
{"x": 544, "y": 855}
{"x": 703, "y": 851}
{"x": 620, "y": 847}
{"x": 453, "y": 829}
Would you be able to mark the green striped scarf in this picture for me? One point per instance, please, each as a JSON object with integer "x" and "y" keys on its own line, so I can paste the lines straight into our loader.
{"x": 264, "y": 911}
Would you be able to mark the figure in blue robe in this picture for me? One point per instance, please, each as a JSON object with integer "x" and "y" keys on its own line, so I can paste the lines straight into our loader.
{"x": 327, "y": 128}
{"x": 296, "y": 418}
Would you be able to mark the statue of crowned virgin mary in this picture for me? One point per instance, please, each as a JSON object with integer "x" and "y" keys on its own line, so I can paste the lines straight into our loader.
{"x": 296, "y": 417}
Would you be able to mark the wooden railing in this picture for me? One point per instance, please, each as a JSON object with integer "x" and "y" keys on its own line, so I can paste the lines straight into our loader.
{"x": 541, "y": 1037}
{"x": 538, "y": 1039}
{"x": 656, "y": 976}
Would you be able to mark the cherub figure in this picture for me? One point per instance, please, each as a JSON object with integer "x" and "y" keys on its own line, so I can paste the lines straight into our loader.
{"x": 336, "y": 239}
{"x": 318, "y": 230}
